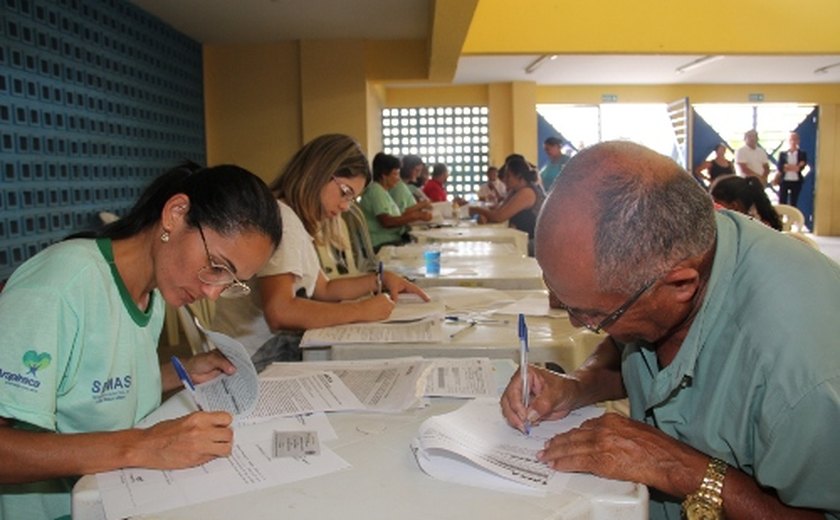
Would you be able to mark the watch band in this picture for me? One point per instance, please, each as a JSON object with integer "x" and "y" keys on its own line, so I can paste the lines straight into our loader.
{"x": 709, "y": 495}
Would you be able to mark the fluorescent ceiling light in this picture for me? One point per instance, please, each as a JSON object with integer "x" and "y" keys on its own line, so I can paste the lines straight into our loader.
{"x": 699, "y": 62}
{"x": 824, "y": 70}
{"x": 537, "y": 63}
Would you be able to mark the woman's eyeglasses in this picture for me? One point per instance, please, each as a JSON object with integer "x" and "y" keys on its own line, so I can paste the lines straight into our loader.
{"x": 219, "y": 274}
{"x": 348, "y": 194}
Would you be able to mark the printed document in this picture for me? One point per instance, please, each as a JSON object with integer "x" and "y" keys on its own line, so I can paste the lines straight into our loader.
{"x": 460, "y": 377}
{"x": 233, "y": 393}
{"x": 384, "y": 385}
{"x": 316, "y": 391}
{"x": 474, "y": 444}
{"x": 427, "y": 330}
{"x": 137, "y": 491}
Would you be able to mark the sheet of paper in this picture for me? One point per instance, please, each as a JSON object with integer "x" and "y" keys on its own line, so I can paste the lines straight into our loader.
{"x": 460, "y": 377}
{"x": 136, "y": 491}
{"x": 427, "y": 330}
{"x": 410, "y": 307}
{"x": 385, "y": 385}
{"x": 470, "y": 299}
{"x": 234, "y": 393}
{"x": 303, "y": 393}
{"x": 478, "y": 435}
{"x": 536, "y": 305}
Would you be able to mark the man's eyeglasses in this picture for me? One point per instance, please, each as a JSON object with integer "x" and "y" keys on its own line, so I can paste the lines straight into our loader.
{"x": 219, "y": 274}
{"x": 347, "y": 193}
{"x": 611, "y": 318}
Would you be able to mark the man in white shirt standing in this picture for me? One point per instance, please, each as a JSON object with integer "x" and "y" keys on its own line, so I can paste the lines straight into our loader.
{"x": 752, "y": 159}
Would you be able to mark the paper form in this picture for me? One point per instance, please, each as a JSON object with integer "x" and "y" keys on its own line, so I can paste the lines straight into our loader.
{"x": 136, "y": 491}
{"x": 427, "y": 330}
{"x": 303, "y": 393}
{"x": 412, "y": 308}
{"x": 479, "y": 433}
{"x": 234, "y": 393}
{"x": 531, "y": 306}
{"x": 470, "y": 299}
{"x": 386, "y": 385}
{"x": 460, "y": 377}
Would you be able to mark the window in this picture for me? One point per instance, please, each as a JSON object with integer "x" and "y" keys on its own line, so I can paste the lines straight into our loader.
{"x": 455, "y": 136}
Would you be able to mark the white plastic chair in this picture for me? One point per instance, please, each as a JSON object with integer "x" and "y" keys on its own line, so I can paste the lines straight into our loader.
{"x": 792, "y": 218}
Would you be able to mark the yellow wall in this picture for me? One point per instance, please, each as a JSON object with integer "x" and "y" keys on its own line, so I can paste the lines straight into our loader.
{"x": 252, "y": 105}
{"x": 652, "y": 27}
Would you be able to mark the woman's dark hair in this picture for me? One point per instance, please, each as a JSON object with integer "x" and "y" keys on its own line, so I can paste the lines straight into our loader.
{"x": 748, "y": 192}
{"x": 409, "y": 162}
{"x": 519, "y": 167}
{"x": 226, "y": 198}
{"x": 383, "y": 164}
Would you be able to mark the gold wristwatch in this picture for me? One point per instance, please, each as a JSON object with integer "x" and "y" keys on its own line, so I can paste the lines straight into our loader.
{"x": 707, "y": 503}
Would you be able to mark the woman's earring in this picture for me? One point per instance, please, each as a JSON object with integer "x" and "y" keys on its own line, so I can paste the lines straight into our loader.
{"x": 164, "y": 237}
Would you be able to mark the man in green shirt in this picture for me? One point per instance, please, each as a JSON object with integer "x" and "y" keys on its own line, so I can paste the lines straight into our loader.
{"x": 733, "y": 382}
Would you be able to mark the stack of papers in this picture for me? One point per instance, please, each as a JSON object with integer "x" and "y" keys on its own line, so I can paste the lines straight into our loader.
{"x": 426, "y": 330}
{"x": 475, "y": 446}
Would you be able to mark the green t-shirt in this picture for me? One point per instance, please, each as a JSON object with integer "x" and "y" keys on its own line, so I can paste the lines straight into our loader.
{"x": 756, "y": 381}
{"x": 402, "y": 196}
{"x": 76, "y": 355}
{"x": 551, "y": 171}
{"x": 376, "y": 201}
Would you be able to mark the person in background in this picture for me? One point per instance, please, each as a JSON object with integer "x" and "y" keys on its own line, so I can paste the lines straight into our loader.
{"x": 435, "y": 188}
{"x": 791, "y": 163}
{"x": 752, "y": 159}
{"x": 493, "y": 191}
{"x": 400, "y": 192}
{"x": 291, "y": 293}
{"x": 81, "y": 322}
{"x": 386, "y": 223}
{"x": 522, "y": 204}
{"x": 718, "y": 166}
{"x": 412, "y": 167}
{"x": 733, "y": 381}
{"x": 557, "y": 160}
{"x": 745, "y": 195}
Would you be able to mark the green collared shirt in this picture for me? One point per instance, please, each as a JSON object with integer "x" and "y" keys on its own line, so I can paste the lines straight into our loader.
{"x": 756, "y": 382}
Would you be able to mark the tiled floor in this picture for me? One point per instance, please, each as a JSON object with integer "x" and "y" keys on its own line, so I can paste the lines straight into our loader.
{"x": 830, "y": 246}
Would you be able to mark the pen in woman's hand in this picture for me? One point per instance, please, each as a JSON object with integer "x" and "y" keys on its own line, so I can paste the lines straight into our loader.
{"x": 185, "y": 379}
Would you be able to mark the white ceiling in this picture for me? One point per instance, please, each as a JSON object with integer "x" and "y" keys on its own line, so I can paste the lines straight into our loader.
{"x": 248, "y": 21}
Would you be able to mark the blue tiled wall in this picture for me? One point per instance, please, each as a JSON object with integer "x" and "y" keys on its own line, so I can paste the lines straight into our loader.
{"x": 97, "y": 98}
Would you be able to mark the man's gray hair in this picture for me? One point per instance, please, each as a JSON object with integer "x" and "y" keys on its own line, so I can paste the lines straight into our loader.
{"x": 651, "y": 215}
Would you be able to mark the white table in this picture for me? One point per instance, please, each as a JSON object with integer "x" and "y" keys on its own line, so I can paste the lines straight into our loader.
{"x": 507, "y": 273}
{"x": 460, "y": 249}
{"x": 505, "y": 235}
{"x": 551, "y": 339}
{"x": 385, "y": 483}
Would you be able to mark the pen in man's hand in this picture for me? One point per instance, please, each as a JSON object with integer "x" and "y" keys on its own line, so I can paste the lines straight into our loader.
{"x": 185, "y": 378}
{"x": 523, "y": 367}
{"x": 379, "y": 278}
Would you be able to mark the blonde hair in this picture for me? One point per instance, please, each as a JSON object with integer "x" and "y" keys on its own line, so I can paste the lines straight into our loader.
{"x": 312, "y": 167}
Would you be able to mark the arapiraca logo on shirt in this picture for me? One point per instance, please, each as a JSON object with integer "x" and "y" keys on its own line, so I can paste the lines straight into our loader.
{"x": 35, "y": 361}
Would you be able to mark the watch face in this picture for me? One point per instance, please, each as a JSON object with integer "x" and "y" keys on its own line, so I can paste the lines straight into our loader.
{"x": 699, "y": 510}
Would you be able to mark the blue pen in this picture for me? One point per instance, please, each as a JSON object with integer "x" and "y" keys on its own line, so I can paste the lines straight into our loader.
{"x": 523, "y": 367}
{"x": 185, "y": 378}
{"x": 379, "y": 278}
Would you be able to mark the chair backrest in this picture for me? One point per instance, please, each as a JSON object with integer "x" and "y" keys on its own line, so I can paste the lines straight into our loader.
{"x": 357, "y": 230}
{"x": 792, "y": 218}
{"x": 202, "y": 311}
{"x": 802, "y": 237}
{"x": 336, "y": 260}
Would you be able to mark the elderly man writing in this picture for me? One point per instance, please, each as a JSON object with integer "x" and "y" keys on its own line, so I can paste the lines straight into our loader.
{"x": 733, "y": 382}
